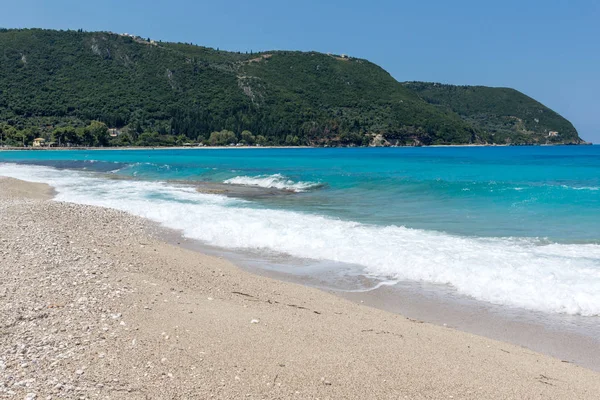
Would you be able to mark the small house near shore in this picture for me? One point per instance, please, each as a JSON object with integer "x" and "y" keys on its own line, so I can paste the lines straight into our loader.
{"x": 39, "y": 142}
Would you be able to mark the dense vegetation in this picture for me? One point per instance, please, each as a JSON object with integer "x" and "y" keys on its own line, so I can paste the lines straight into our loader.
{"x": 503, "y": 115}
{"x": 70, "y": 87}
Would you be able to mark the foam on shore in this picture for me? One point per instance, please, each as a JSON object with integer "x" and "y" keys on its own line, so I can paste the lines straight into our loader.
{"x": 527, "y": 273}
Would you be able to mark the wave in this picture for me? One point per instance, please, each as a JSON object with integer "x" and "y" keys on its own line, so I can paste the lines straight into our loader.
{"x": 517, "y": 272}
{"x": 89, "y": 165}
{"x": 144, "y": 169}
{"x": 276, "y": 181}
{"x": 592, "y": 188}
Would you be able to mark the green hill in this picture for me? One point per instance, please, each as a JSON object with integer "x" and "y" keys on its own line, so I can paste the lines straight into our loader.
{"x": 57, "y": 84}
{"x": 502, "y": 115}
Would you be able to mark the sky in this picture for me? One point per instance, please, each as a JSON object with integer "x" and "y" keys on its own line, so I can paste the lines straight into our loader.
{"x": 549, "y": 50}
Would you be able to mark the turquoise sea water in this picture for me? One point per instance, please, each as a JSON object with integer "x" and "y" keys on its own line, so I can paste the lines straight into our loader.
{"x": 493, "y": 222}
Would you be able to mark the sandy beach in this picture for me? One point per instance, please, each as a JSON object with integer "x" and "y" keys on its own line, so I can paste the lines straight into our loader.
{"x": 94, "y": 304}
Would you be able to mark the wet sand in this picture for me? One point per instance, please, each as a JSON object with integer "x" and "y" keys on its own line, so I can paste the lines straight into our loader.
{"x": 95, "y": 305}
{"x": 571, "y": 338}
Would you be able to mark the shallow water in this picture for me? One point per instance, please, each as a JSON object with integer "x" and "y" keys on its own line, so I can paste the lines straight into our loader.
{"x": 513, "y": 226}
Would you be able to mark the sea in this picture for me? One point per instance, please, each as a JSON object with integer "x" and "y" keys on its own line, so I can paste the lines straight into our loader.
{"x": 515, "y": 227}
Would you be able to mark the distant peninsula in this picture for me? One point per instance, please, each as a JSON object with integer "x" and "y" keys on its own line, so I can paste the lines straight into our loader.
{"x": 76, "y": 88}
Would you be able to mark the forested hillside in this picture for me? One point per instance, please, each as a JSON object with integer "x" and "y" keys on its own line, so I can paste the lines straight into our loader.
{"x": 501, "y": 114}
{"x": 70, "y": 87}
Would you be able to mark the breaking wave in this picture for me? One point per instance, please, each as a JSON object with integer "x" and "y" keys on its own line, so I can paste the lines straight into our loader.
{"x": 276, "y": 181}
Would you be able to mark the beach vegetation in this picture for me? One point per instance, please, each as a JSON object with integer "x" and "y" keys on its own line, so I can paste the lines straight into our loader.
{"x": 222, "y": 138}
{"x": 248, "y": 138}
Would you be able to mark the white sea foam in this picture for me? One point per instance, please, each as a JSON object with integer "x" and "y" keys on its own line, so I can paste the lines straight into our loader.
{"x": 276, "y": 181}
{"x": 561, "y": 278}
{"x": 593, "y": 188}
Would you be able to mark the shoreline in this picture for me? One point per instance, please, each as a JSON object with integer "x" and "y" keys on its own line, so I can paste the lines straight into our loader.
{"x": 571, "y": 338}
{"x": 112, "y": 310}
{"x": 281, "y": 147}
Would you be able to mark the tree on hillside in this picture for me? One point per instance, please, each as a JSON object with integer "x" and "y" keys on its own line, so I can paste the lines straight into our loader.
{"x": 248, "y": 137}
{"x": 65, "y": 135}
{"x": 222, "y": 138}
{"x": 96, "y": 134}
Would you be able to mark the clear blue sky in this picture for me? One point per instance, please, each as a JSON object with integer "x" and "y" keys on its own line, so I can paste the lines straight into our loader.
{"x": 549, "y": 50}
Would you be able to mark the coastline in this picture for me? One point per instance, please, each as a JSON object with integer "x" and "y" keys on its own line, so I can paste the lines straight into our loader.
{"x": 574, "y": 339}
{"x": 109, "y": 309}
{"x": 280, "y": 147}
